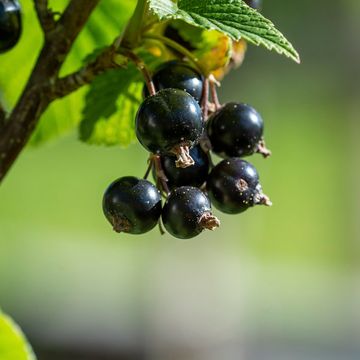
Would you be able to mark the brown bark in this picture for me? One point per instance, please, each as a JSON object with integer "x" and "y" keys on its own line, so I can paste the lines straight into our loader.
{"x": 45, "y": 15}
{"x": 72, "y": 82}
{"x": 2, "y": 117}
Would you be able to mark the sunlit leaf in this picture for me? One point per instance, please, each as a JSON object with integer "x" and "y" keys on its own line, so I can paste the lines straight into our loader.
{"x": 112, "y": 102}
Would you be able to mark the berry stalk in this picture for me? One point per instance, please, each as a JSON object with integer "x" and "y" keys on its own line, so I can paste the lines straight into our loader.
{"x": 214, "y": 94}
{"x": 142, "y": 68}
{"x": 205, "y": 99}
{"x": 161, "y": 179}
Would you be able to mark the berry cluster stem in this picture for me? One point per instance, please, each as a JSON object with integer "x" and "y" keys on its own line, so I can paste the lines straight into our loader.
{"x": 161, "y": 228}
{"x": 142, "y": 68}
{"x": 205, "y": 99}
{"x": 214, "y": 94}
{"x": 161, "y": 179}
{"x": 150, "y": 165}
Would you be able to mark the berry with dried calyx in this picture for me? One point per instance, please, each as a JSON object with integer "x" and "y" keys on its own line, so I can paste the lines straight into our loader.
{"x": 236, "y": 130}
{"x": 187, "y": 212}
{"x": 191, "y": 176}
{"x": 132, "y": 205}
{"x": 233, "y": 186}
{"x": 170, "y": 123}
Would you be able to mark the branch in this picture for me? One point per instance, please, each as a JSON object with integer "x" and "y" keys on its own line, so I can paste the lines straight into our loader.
{"x": 75, "y": 16}
{"x": 45, "y": 15}
{"x": 108, "y": 59}
{"x": 72, "y": 82}
{"x": 34, "y": 99}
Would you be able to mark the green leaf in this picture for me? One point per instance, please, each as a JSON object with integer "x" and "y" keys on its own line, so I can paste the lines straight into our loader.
{"x": 111, "y": 105}
{"x": 231, "y": 17}
{"x": 13, "y": 344}
{"x": 63, "y": 116}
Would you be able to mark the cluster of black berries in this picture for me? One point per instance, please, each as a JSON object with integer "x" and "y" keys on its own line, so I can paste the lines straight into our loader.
{"x": 10, "y": 24}
{"x": 173, "y": 125}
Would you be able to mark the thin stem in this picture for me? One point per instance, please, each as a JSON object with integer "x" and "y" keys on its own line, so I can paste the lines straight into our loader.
{"x": 214, "y": 95}
{"x": 161, "y": 228}
{"x": 205, "y": 99}
{"x": 150, "y": 165}
{"x": 141, "y": 67}
{"x": 67, "y": 84}
{"x": 174, "y": 45}
{"x": 161, "y": 178}
{"x": 206, "y": 147}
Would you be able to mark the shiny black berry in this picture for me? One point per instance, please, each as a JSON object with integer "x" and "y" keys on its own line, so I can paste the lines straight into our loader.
{"x": 170, "y": 122}
{"x": 187, "y": 212}
{"x": 256, "y": 4}
{"x": 178, "y": 75}
{"x": 132, "y": 205}
{"x": 233, "y": 186}
{"x": 236, "y": 130}
{"x": 193, "y": 175}
{"x": 10, "y": 24}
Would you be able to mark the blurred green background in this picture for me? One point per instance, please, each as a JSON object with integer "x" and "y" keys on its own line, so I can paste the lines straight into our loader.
{"x": 278, "y": 283}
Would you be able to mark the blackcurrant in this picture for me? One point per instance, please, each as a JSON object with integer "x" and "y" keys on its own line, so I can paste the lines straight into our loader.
{"x": 173, "y": 33}
{"x": 132, "y": 205}
{"x": 178, "y": 75}
{"x": 256, "y": 4}
{"x": 170, "y": 122}
{"x": 233, "y": 186}
{"x": 236, "y": 130}
{"x": 193, "y": 175}
{"x": 10, "y": 24}
{"x": 187, "y": 212}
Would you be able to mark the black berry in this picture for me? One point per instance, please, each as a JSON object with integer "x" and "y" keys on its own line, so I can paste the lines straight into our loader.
{"x": 173, "y": 33}
{"x": 178, "y": 75}
{"x": 233, "y": 186}
{"x": 193, "y": 175}
{"x": 187, "y": 212}
{"x": 10, "y": 24}
{"x": 256, "y": 4}
{"x": 236, "y": 130}
{"x": 170, "y": 122}
{"x": 132, "y": 205}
